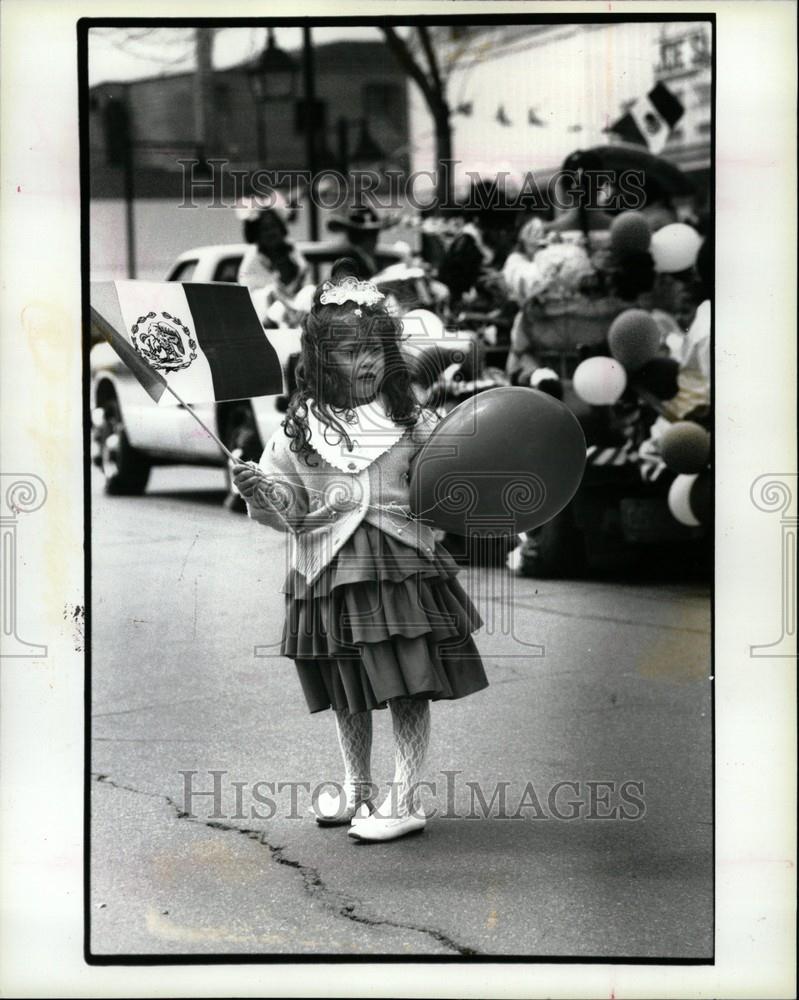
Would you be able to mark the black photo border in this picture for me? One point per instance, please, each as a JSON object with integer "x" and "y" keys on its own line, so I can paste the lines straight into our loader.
{"x": 83, "y": 26}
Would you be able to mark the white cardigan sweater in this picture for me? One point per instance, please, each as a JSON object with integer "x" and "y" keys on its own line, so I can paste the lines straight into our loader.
{"x": 321, "y": 505}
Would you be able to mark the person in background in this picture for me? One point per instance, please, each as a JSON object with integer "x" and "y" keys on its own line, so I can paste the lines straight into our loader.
{"x": 361, "y": 227}
{"x": 464, "y": 260}
{"x": 472, "y": 264}
{"x": 523, "y": 279}
{"x": 520, "y": 272}
{"x": 274, "y": 271}
{"x": 672, "y": 303}
{"x": 272, "y": 267}
{"x": 692, "y": 401}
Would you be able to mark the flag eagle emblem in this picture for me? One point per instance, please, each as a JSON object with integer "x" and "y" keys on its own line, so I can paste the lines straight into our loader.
{"x": 165, "y": 342}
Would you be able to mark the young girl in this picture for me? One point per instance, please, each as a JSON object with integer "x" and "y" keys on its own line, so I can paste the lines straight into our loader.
{"x": 374, "y": 614}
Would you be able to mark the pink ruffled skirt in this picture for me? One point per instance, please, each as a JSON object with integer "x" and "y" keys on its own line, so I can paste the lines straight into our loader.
{"x": 381, "y": 622}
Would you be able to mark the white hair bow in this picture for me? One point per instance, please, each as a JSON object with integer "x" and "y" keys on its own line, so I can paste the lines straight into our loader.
{"x": 362, "y": 293}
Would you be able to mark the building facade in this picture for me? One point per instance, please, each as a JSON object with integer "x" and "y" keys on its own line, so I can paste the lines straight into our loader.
{"x": 360, "y": 115}
{"x": 525, "y": 96}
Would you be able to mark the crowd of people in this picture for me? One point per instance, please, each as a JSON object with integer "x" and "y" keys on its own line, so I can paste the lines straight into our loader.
{"x": 542, "y": 294}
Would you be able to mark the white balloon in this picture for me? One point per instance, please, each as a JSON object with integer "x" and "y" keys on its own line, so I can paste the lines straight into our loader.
{"x": 600, "y": 381}
{"x": 675, "y": 247}
{"x": 679, "y": 500}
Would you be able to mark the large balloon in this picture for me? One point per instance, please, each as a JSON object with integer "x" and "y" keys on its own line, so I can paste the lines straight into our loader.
{"x": 505, "y": 461}
{"x": 659, "y": 377}
{"x": 680, "y": 501}
{"x": 634, "y": 338}
{"x": 599, "y": 381}
{"x": 685, "y": 447}
{"x": 630, "y": 233}
{"x": 674, "y": 248}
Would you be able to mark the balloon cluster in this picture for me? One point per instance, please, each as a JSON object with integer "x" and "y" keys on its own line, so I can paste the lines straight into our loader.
{"x": 634, "y": 337}
{"x": 685, "y": 448}
{"x": 673, "y": 247}
{"x": 634, "y": 341}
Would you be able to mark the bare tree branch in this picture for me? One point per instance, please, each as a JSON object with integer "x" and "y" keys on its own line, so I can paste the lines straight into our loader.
{"x": 432, "y": 88}
{"x": 424, "y": 35}
{"x": 409, "y": 64}
{"x": 151, "y": 44}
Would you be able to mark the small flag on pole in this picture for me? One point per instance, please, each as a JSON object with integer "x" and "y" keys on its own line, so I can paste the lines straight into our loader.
{"x": 204, "y": 342}
{"x": 650, "y": 119}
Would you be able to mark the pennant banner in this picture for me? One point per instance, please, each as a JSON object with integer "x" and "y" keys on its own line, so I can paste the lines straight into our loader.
{"x": 204, "y": 340}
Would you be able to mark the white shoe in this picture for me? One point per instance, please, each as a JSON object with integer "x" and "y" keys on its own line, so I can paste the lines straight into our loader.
{"x": 377, "y": 828}
{"x": 332, "y": 810}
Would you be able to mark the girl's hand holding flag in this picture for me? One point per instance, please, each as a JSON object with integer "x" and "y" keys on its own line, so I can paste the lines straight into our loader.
{"x": 249, "y": 480}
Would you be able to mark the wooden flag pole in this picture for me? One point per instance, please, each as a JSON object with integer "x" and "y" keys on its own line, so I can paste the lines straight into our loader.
{"x": 204, "y": 426}
{"x": 207, "y": 429}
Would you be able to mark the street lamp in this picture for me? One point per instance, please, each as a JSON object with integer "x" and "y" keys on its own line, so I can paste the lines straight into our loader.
{"x": 272, "y": 77}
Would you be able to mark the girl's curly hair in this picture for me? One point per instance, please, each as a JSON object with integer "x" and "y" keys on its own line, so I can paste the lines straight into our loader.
{"x": 323, "y": 390}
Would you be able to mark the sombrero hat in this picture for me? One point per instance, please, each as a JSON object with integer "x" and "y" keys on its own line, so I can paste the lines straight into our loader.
{"x": 362, "y": 219}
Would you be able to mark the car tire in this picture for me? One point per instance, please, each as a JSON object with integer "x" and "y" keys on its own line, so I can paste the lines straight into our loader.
{"x": 125, "y": 469}
{"x": 240, "y": 433}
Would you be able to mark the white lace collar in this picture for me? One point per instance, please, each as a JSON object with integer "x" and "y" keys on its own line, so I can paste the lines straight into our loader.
{"x": 372, "y": 433}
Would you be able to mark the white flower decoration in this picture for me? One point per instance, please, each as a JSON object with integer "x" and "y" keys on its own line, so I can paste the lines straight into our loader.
{"x": 561, "y": 268}
{"x": 363, "y": 293}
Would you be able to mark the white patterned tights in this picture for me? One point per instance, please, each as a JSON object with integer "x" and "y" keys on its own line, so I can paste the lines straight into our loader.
{"x": 410, "y": 718}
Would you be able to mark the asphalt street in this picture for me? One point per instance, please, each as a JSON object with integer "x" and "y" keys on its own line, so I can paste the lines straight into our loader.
{"x": 593, "y": 684}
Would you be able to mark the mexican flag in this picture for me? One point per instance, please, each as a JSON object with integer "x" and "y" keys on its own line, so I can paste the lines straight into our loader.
{"x": 650, "y": 119}
{"x": 204, "y": 341}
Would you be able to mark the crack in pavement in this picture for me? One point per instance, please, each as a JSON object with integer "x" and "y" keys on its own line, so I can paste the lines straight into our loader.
{"x": 156, "y": 704}
{"x": 313, "y": 883}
